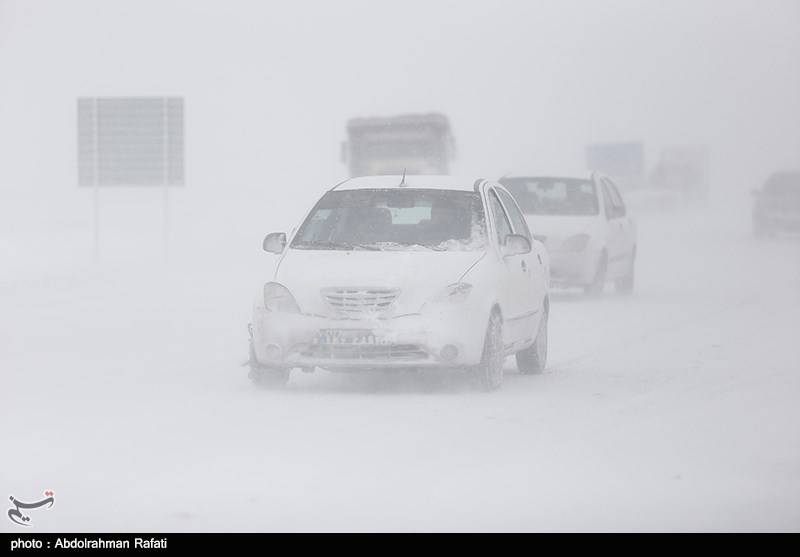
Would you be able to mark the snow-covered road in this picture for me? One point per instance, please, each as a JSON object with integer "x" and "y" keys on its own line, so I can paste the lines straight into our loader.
{"x": 675, "y": 409}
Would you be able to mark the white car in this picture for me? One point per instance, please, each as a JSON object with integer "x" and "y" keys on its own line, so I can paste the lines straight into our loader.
{"x": 583, "y": 222}
{"x": 396, "y": 272}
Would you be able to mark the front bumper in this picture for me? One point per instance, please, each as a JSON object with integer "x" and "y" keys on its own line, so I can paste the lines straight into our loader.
{"x": 433, "y": 340}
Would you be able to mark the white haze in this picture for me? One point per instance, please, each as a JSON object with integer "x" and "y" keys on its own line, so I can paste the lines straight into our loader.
{"x": 672, "y": 410}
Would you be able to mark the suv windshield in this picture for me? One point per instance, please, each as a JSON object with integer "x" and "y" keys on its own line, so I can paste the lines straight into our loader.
{"x": 554, "y": 196}
{"x": 381, "y": 219}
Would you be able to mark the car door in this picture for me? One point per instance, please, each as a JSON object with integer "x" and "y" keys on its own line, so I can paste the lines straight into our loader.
{"x": 622, "y": 230}
{"x": 534, "y": 282}
{"x": 628, "y": 226}
{"x": 515, "y": 294}
{"x": 614, "y": 231}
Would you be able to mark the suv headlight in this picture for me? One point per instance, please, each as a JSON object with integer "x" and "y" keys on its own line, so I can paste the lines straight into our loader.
{"x": 277, "y": 298}
{"x": 576, "y": 243}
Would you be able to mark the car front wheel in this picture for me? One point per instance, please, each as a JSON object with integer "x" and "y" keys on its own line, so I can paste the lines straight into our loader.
{"x": 488, "y": 375}
{"x": 267, "y": 377}
{"x": 598, "y": 284}
{"x": 532, "y": 360}
{"x": 624, "y": 285}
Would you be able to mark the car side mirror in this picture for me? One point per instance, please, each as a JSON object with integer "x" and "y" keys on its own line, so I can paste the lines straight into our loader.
{"x": 275, "y": 242}
{"x": 516, "y": 244}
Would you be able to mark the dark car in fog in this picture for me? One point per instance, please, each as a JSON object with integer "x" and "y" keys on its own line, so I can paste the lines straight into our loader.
{"x": 777, "y": 206}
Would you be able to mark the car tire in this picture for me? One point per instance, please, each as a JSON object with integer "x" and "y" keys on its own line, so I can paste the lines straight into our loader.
{"x": 488, "y": 375}
{"x": 598, "y": 285}
{"x": 624, "y": 286}
{"x": 533, "y": 359}
{"x": 267, "y": 377}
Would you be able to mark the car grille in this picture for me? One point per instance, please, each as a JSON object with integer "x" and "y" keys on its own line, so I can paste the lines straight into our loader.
{"x": 359, "y": 302}
{"x": 365, "y": 352}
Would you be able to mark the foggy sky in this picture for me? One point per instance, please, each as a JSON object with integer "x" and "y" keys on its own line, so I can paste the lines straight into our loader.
{"x": 674, "y": 409}
{"x": 269, "y": 87}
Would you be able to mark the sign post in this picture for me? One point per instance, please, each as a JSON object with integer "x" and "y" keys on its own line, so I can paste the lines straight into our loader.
{"x": 130, "y": 142}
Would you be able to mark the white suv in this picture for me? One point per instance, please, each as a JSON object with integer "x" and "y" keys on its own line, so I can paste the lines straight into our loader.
{"x": 415, "y": 272}
{"x": 583, "y": 222}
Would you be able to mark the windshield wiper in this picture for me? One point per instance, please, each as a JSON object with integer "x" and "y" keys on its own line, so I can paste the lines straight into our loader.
{"x": 323, "y": 244}
{"x": 398, "y": 246}
{"x": 327, "y": 244}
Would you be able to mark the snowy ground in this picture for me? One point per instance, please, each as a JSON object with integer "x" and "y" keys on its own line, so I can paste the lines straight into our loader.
{"x": 672, "y": 410}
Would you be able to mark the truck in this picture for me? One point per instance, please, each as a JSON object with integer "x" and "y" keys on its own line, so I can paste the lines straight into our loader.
{"x": 402, "y": 144}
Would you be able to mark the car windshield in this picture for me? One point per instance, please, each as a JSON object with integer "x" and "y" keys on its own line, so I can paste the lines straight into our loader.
{"x": 554, "y": 196}
{"x": 784, "y": 184}
{"x": 381, "y": 219}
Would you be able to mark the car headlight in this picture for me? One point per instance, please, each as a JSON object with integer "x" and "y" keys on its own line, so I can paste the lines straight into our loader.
{"x": 576, "y": 243}
{"x": 453, "y": 293}
{"x": 277, "y": 298}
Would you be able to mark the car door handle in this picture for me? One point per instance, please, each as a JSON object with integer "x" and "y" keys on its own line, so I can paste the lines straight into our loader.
{"x": 524, "y": 267}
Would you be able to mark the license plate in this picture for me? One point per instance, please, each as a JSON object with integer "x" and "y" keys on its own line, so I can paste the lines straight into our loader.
{"x": 347, "y": 336}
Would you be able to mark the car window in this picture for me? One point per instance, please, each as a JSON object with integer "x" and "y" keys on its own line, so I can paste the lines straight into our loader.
{"x": 517, "y": 218}
{"x": 616, "y": 199}
{"x": 608, "y": 203}
{"x": 553, "y": 196}
{"x": 500, "y": 219}
{"x": 390, "y": 219}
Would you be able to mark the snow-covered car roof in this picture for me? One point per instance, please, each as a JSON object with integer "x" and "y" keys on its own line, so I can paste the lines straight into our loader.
{"x": 411, "y": 182}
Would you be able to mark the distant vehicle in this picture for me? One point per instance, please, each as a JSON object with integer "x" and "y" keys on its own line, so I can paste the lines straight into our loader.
{"x": 684, "y": 172}
{"x": 583, "y": 222}
{"x": 777, "y": 206}
{"x": 415, "y": 272}
{"x": 407, "y": 143}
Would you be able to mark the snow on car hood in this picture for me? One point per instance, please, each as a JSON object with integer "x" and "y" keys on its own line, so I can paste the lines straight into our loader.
{"x": 418, "y": 275}
{"x": 557, "y": 228}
